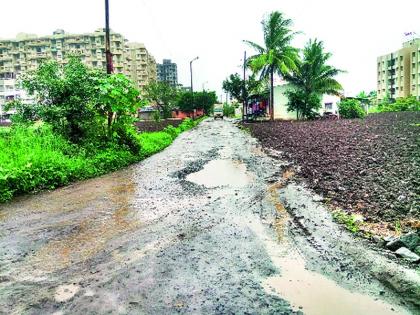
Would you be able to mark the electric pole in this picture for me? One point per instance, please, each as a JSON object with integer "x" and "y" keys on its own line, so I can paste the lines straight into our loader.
{"x": 244, "y": 90}
{"x": 108, "y": 54}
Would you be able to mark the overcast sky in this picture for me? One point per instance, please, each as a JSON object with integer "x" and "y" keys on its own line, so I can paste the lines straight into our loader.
{"x": 355, "y": 31}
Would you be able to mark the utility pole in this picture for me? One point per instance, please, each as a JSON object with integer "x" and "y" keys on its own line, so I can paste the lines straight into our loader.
{"x": 108, "y": 54}
{"x": 244, "y": 90}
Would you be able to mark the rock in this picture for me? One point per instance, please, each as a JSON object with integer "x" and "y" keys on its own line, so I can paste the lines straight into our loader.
{"x": 407, "y": 254}
{"x": 411, "y": 240}
{"x": 317, "y": 198}
{"x": 394, "y": 245}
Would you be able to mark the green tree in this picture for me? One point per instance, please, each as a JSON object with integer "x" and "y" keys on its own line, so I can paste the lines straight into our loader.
{"x": 188, "y": 101}
{"x": 119, "y": 101}
{"x": 351, "y": 108}
{"x": 65, "y": 96}
{"x": 163, "y": 95}
{"x": 312, "y": 78}
{"x": 234, "y": 85}
{"x": 205, "y": 100}
{"x": 276, "y": 55}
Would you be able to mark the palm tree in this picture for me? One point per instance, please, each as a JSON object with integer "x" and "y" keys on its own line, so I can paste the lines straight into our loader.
{"x": 276, "y": 56}
{"x": 311, "y": 79}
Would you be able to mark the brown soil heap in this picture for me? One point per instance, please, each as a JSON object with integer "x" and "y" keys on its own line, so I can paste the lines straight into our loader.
{"x": 369, "y": 166}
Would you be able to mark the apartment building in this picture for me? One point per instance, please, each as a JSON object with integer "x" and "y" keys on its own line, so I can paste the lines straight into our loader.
{"x": 141, "y": 65}
{"x": 398, "y": 73}
{"x": 27, "y": 51}
{"x": 167, "y": 72}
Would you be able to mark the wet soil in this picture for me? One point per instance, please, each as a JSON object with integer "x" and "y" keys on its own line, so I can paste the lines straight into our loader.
{"x": 211, "y": 225}
{"x": 370, "y": 166}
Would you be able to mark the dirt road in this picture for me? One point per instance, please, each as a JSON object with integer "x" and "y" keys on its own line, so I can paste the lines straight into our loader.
{"x": 200, "y": 228}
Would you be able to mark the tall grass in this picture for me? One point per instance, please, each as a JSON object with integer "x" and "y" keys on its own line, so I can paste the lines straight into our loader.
{"x": 35, "y": 158}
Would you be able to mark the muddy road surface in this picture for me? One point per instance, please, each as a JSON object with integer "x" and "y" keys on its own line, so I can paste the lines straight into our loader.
{"x": 211, "y": 225}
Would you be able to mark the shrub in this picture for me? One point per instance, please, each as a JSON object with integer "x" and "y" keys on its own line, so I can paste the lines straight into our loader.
{"x": 228, "y": 110}
{"x": 407, "y": 104}
{"x": 153, "y": 142}
{"x": 351, "y": 108}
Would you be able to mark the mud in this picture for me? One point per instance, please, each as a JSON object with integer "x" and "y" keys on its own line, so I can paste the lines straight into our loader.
{"x": 208, "y": 226}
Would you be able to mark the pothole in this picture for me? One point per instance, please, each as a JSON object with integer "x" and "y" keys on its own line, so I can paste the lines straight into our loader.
{"x": 217, "y": 173}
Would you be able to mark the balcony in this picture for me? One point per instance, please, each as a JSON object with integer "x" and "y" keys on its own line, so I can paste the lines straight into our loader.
{"x": 39, "y": 43}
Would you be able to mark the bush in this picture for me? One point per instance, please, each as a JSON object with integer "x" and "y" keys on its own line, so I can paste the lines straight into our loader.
{"x": 228, "y": 110}
{"x": 351, "y": 108}
{"x": 407, "y": 104}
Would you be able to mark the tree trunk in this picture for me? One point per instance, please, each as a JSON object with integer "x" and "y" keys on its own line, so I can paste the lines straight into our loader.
{"x": 110, "y": 115}
{"x": 272, "y": 94}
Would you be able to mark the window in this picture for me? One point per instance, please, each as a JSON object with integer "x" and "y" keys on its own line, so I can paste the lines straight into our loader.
{"x": 328, "y": 106}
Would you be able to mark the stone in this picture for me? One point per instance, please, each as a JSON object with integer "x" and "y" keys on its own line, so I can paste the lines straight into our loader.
{"x": 394, "y": 245}
{"x": 407, "y": 254}
{"x": 411, "y": 240}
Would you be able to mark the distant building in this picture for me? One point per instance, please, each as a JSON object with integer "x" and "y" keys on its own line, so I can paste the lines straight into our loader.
{"x": 27, "y": 51}
{"x": 167, "y": 72}
{"x": 398, "y": 73}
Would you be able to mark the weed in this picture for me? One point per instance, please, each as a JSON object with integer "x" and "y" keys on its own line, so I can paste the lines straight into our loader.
{"x": 351, "y": 221}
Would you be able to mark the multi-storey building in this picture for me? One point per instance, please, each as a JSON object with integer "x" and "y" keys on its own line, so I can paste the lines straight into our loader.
{"x": 399, "y": 72}
{"x": 26, "y": 52}
{"x": 167, "y": 72}
{"x": 141, "y": 66}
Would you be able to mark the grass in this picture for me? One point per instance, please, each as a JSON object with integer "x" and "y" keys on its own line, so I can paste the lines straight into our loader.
{"x": 351, "y": 221}
{"x": 35, "y": 158}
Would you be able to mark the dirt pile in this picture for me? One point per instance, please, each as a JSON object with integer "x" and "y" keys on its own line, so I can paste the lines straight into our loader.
{"x": 369, "y": 166}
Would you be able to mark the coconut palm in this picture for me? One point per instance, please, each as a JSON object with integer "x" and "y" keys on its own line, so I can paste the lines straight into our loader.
{"x": 312, "y": 78}
{"x": 276, "y": 56}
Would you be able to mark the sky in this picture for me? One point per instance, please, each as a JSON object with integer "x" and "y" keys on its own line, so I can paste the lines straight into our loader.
{"x": 356, "y": 32}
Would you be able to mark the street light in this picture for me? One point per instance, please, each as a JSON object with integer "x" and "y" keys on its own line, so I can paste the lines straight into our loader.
{"x": 191, "y": 73}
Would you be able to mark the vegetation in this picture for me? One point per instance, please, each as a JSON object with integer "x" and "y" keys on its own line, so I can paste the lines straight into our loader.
{"x": 81, "y": 104}
{"x": 276, "y": 55}
{"x": 407, "y": 104}
{"x": 35, "y": 158}
{"x": 80, "y": 126}
{"x": 163, "y": 95}
{"x": 351, "y": 221}
{"x": 188, "y": 101}
{"x": 351, "y": 108}
{"x": 312, "y": 78}
{"x": 228, "y": 110}
{"x": 240, "y": 89}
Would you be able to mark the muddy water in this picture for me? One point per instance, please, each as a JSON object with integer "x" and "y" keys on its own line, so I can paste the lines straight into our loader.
{"x": 221, "y": 172}
{"x": 311, "y": 292}
{"x": 315, "y": 294}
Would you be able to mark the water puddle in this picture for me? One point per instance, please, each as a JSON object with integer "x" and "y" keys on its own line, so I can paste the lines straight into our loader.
{"x": 315, "y": 294}
{"x": 220, "y": 172}
{"x": 311, "y": 292}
